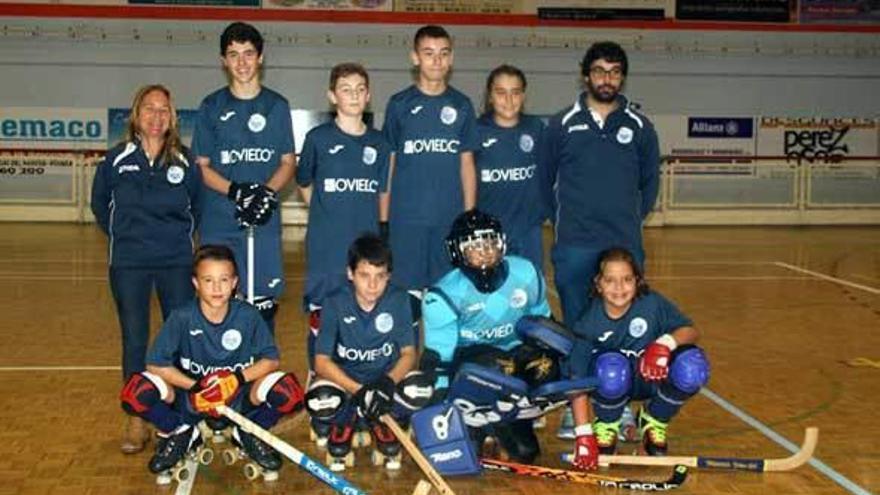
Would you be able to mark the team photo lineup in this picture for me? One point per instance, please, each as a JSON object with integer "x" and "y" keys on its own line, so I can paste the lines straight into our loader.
{"x": 430, "y": 330}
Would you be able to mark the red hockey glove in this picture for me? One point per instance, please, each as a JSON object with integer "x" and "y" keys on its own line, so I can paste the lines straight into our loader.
{"x": 586, "y": 450}
{"x": 654, "y": 364}
{"x": 215, "y": 389}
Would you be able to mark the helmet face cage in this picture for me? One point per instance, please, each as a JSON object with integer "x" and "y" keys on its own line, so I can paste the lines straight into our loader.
{"x": 483, "y": 240}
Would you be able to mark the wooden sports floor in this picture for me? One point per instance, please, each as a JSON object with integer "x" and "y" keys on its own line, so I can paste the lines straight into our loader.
{"x": 790, "y": 319}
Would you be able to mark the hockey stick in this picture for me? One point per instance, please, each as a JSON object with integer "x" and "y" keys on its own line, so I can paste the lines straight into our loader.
{"x": 250, "y": 264}
{"x": 674, "y": 481}
{"x": 799, "y": 458}
{"x": 313, "y": 467}
{"x": 416, "y": 454}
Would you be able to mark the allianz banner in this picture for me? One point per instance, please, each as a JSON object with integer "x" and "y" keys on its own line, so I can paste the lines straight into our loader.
{"x": 706, "y": 136}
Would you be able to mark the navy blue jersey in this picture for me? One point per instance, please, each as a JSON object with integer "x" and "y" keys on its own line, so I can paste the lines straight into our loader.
{"x": 427, "y": 134}
{"x": 198, "y": 347}
{"x": 245, "y": 140}
{"x": 149, "y": 211}
{"x": 605, "y": 178}
{"x": 347, "y": 174}
{"x": 365, "y": 344}
{"x": 458, "y": 315}
{"x": 649, "y": 317}
{"x": 509, "y": 182}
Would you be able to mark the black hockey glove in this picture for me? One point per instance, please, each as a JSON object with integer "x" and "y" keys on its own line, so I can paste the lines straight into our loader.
{"x": 376, "y": 398}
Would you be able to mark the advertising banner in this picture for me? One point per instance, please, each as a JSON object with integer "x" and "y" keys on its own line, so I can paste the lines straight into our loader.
{"x": 817, "y": 139}
{"x": 463, "y": 6}
{"x": 212, "y": 3}
{"x": 839, "y": 12}
{"x": 118, "y": 119}
{"x": 735, "y": 10}
{"x": 705, "y": 136}
{"x": 329, "y": 4}
{"x": 603, "y": 9}
{"x": 53, "y": 128}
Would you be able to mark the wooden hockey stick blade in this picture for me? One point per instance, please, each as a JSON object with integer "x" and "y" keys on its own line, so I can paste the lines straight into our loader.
{"x": 313, "y": 467}
{"x": 678, "y": 476}
{"x": 799, "y": 458}
{"x": 416, "y": 454}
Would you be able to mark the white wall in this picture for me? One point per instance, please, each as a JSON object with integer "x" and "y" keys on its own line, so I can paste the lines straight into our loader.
{"x": 99, "y": 63}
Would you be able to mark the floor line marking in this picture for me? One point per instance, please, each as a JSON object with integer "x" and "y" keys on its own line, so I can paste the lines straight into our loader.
{"x": 765, "y": 430}
{"x": 829, "y": 278}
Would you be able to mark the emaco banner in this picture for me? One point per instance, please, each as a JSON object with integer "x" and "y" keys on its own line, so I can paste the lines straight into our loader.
{"x": 53, "y": 128}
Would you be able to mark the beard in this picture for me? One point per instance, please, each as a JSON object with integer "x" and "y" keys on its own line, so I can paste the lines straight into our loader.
{"x": 604, "y": 93}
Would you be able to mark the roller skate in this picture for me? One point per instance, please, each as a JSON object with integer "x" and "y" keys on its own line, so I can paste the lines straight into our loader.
{"x": 629, "y": 431}
{"x": 606, "y": 436}
{"x": 218, "y": 428}
{"x": 178, "y": 455}
{"x": 262, "y": 460}
{"x": 653, "y": 434}
{"x": 339, "y": 443}
{"x": 387, "y": 448}
{"x": 318, "y": 432}
{"x": 566, "y": 426}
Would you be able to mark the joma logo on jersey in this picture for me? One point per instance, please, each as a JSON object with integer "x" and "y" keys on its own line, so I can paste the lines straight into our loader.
{"x": 350, "y": 354}
{"x": 199, "y": 369}
{"x": 230, "y": 157}
{"x": 350, "y": 185}
{"x": 518, "y": 174}
{"x": 436, "y": 145}
{"x": 494, "y": 333}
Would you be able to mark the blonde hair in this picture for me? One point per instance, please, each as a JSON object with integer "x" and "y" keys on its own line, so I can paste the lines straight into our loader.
{"x": 172, "y": 147}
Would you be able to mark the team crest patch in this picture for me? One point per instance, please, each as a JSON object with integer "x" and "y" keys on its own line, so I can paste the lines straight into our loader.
{"x": 624, "y": 135}
{"x": 526, "y": 143}
{"x": 448, "y": 115}
{"x": 231, "y": 339}
{"x": 174, "y": 174}
{"x": 256, "y": 123}
{"x": 637, "y": 327}
{"x": 518, "y": 299}
{"x": 384, "y": 322}
{"x": 369, "y": 155}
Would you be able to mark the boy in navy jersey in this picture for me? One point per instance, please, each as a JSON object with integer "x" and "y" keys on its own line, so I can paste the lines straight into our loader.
{"x": 432, "y": 132}
{"x": 365, "y": 355}
{"x": 639, "y": 346}
{"x": 243, "y": 141}
{"x": 342, "y": 175}
{"x": 215, "y": 350}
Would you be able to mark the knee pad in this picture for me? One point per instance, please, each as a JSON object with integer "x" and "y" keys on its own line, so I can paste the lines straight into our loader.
{"x": 689, "y": 369}
{"x": 314, "y": 319}
{"x": 281, "y": 391}
{"x": 143, "y": 391}
{"x": 614, "y": 375}
{"x": 325, "y": 400}
{"x": 414, "y": 391}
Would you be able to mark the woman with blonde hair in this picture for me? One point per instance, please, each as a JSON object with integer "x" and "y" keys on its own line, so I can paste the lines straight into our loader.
{"x": 145, "y": 197}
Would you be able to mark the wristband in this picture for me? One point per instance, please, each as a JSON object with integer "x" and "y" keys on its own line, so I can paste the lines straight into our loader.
{"x": 583, "y": 430}
{"x": 667, "y": 340}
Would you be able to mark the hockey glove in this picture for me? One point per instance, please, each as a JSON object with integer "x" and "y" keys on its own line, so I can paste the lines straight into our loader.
{"x": 216, "y": 389}
{"x": 586, "y": 449}
{"x": 376, "y": 398}
{"x": 654, "y": 364}
{"x": 242, "y": 194}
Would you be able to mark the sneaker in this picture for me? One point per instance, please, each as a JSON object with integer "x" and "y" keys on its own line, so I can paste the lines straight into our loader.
{"x": 566, "y": 426}
{"x": 629, "y": 432}
{"x": 606, "y": 436}
{"x": 653, "y": 434}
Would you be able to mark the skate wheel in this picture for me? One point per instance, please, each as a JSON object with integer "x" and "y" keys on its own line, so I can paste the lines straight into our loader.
{"x": 349, "y": 459}
{"x": 313, "y": 437}
{"x": 180, "y": 474}
{"x": 206, "y": 456}
{"x": 393, "y": 463}
{"x": 163, "y": 478}
{"x": 321, "y": 442}
{"x": 218, "y": 437}
{"x": 251, "y": 471}
{"x": 270, "y": 475}
{"x": 230, "y": 457}
{"x": 361, "y": 439}
{"x": 376, "y": 458}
